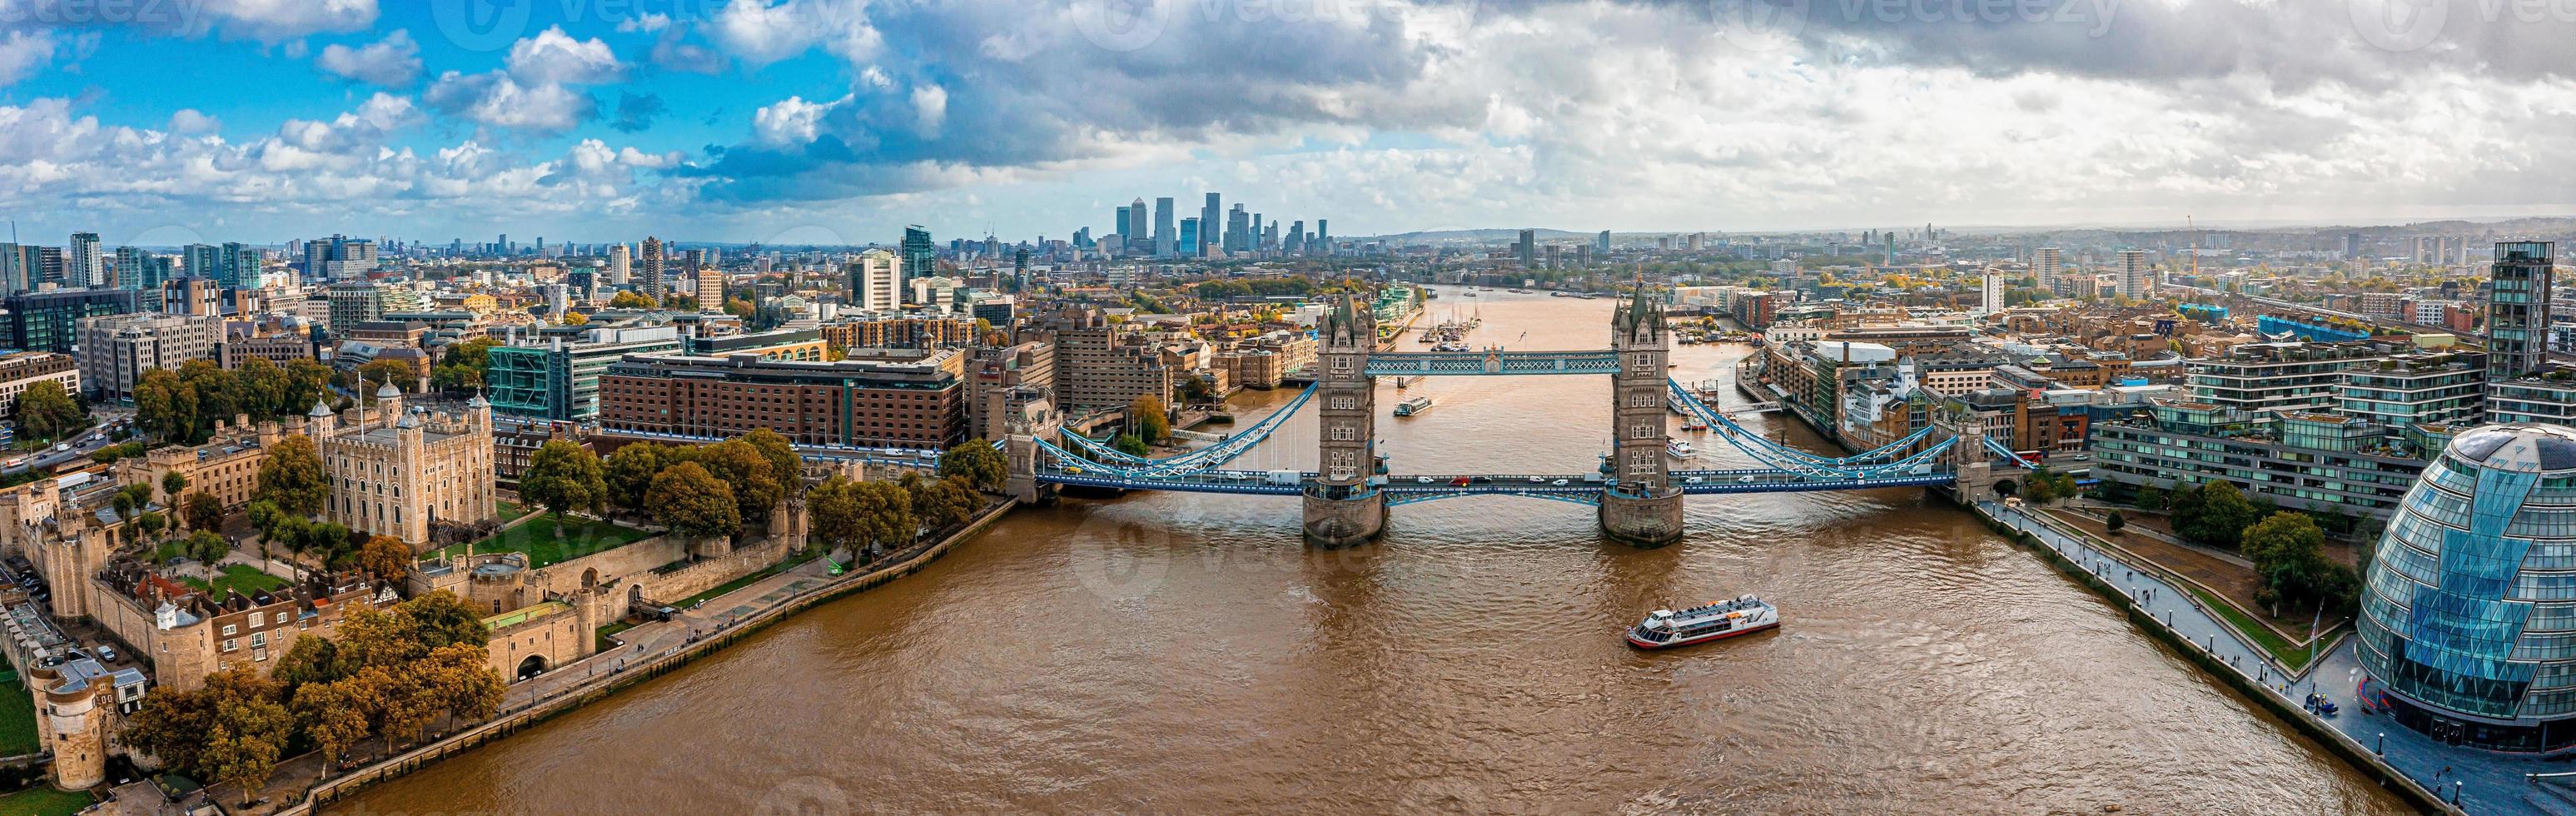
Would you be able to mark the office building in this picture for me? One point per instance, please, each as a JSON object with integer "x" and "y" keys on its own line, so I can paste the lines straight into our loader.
{"x": 1166, "y": 242}
{"x": 49, "y": 321}
{"x": 875, "y": 281}
{"x": 2462, "y": 628}
{"x": 1191, "y": 246}
{"x": 1601, "y": 244}
{"x": 920, "y": 257}
{"x": 1526, "y": 249}
{"x": 115, "y": 350}
{"x": 19, "y": 369}
{"x": 554, "y": 374}
{"x": 2296, "y": 460}
{"x": 1208, "y": 222}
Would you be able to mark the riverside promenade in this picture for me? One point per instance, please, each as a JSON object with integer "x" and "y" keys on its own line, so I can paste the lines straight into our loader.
{"x": 2457, "y": 780}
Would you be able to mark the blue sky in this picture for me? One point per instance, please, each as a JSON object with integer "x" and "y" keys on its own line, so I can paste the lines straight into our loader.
{"x": 171, "y": 121}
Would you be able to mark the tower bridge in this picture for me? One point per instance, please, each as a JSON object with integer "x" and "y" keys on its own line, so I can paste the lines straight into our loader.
{"x": 1636, "y": 496}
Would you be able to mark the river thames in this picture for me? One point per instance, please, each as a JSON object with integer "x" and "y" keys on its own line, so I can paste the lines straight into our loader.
{"x": 1188, "y": 653}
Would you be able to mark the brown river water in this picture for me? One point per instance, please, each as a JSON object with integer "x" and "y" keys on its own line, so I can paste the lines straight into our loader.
{"x": 1188, "y": 654}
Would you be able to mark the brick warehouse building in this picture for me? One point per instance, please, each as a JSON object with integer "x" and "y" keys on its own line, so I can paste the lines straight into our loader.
{"x": 875, "y": 398}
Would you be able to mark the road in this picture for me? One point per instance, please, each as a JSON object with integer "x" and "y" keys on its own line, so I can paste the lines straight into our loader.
{"x": 80, "y": 450}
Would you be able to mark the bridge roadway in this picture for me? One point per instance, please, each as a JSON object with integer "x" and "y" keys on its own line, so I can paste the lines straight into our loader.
{"x": 1490, "y": 362}
{"x": 1408, "y": 489}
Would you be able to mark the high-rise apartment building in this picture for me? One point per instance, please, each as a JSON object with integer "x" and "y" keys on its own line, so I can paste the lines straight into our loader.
{"x": 620, "y": 267}
{"x": 2047, "y": 263}
{"x": 2137, "y": 279}
{"x": 1993, "y": 295}
{"x": 1601, "y": 244}
{"x": 2518, "y": 310}
{"x": 655, "y": 266}
{"x": 87, "y": 266}
{"x": 115, "y": 350}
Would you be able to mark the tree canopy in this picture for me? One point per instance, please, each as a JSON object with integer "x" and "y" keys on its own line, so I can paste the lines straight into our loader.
{"x": 45, "y": 412}
{"x": 691, "y": 502}
{"x": 977, "y": 462}
{"x": 292, "y": 479}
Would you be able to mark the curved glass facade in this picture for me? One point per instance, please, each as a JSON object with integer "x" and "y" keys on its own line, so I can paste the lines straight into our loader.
{"x": 2468, "y": 615}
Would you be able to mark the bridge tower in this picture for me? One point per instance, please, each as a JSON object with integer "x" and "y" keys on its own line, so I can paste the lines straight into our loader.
{"x": 1968, "y": 458}
{"x": 1640, "y": 506}
{"x": 1343, "y": 505}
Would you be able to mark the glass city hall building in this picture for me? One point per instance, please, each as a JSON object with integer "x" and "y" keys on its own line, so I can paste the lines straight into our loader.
{"x": 2468, "y": 615}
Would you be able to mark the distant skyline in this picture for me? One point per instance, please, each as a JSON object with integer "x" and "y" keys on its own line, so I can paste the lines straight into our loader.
{"x": 840, "y": 121}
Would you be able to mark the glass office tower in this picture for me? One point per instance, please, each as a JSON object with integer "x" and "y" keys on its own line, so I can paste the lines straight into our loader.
{"x": 2468, "y": 614}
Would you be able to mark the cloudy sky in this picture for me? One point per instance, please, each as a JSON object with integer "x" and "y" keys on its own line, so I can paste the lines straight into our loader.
{"x": 811, "y": 121}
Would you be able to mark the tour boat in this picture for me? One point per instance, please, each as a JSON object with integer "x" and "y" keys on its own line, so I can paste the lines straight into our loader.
{"x": 1694, "y": 425}
{"x": 1558, "y": 294}
{"x": 1679, "y": 449}
{"x": 1517, "y": 291}
{"x": 1664, "y": 628}
{"x": 1413, "y": 406}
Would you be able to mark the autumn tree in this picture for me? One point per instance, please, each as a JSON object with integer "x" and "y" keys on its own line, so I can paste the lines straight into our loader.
{"x": 291, "y": 479}
{"x": 631, "y": 300}
{"x": 976, "y": 461}
{"x": 208, "y": 547}
{"x": 564, "y": 476}
{"x": 692, "y": 503}
{"x": 173, "y": 484}
{"x": 746, "y": 472}
{"x": 398, "y": 373}
{"x": 202, "y": 511}
{"x": 885, "y": 514}
{"x": 385, "y": 558}
{"x": 832, "y": 510}
{"x": 46, "y": 412}
{"x": 943, "y": 502}
{"x": 1149, "y": 420}
{"x": 332, "y": 715}
{"x": 629, "y": 471}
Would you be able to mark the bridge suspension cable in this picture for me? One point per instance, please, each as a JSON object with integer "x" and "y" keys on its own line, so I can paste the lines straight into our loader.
{"x": 1790, "y": 459}
{"x": 1201, "y": 459}
{"x": 2005, "y": 451}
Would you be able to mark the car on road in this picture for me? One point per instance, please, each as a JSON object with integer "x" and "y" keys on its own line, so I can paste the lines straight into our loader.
{"x": 62, "y": 447}
{"x": 1691, "y": 480}
{"x": 1557, "y": 483}
{"x": 1745, "y": 479}
{"x": 1537, "y": 479}
{"x": 1422, "y": 479}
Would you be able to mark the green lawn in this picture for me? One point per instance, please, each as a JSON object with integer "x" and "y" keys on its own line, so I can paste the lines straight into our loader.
{"x": 17, "y": 718}
{"x": 235, "y": 578}
{"x": 612, "y": 629}
{"x": 537, "y": 539}
{"x": 2290, "y": 656}
{"x": 43, "y": 800}
{"x": 507, "y": 510}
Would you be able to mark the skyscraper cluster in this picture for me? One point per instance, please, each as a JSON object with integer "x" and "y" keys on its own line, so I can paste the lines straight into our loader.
{"x": 1216, "y": 232}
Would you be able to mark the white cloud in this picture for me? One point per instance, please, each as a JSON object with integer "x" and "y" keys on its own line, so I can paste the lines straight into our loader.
{"x": 647, "y": 22}
{"x": 498, "y": 100}
{"x": 929, "y": 109}
{"x": 22, "y": 52}
{"x": 190, "y": 121}
{"x": 759, "y": 33}
{"x": 394, "y": 61}
{"x": 553, "y": 57}
{"x": 793, "y": 121}
{"x": 279, "y": 20}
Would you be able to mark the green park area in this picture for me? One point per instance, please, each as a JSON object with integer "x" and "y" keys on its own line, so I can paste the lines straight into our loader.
{"x": 43, "y": 800}
{"x": 235, "y": 579}
{"x": 17, "y": 717}
{"x": 536, "y": 539}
